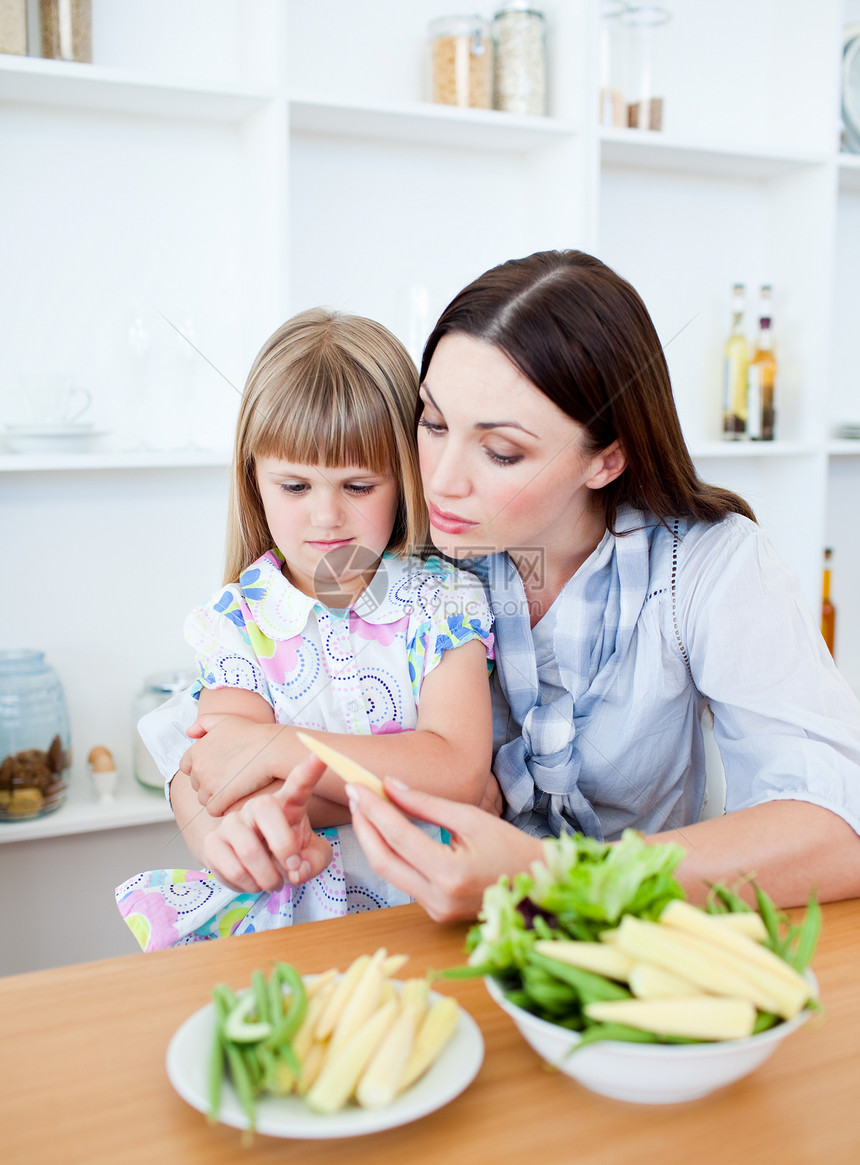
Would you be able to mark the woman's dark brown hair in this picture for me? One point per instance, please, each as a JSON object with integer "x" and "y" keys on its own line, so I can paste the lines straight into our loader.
{"x": 582, "y": 335}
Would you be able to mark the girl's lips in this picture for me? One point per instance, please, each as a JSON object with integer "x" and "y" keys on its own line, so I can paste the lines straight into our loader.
{"x": 331, "y": 544}
{"x": 449, "y": 523}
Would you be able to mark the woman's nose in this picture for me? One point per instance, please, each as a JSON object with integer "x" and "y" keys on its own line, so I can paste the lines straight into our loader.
{"x": 445, "y": 472}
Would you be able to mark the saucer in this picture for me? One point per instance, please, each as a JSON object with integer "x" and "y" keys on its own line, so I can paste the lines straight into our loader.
{"x": 51, "y": 438}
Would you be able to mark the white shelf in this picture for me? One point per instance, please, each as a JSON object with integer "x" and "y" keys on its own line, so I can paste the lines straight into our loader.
{"x": 81, "y": 813}
{"x": 843, "y": 448}
{"x": 34, "y": 81}
{"x": 422, "y": 123}
{"x": 651, "y": 150}
{"x": 744, "y": 450}
{"x": 113, "y": 459}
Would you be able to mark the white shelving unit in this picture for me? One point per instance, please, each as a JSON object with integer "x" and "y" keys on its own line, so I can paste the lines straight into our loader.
{"x": 265, "y": 158}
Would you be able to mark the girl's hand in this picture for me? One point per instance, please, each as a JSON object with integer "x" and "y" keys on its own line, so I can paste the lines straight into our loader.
{"x": 448, "y": 881}
{"x": 270, "y": 839}
{"x": 231, "y": 758}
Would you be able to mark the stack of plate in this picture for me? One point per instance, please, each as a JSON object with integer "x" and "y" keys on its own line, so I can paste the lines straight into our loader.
{"x": 78, "y": 438}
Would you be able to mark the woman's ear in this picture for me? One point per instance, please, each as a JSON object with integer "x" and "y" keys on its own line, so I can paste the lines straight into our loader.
{"x": 606, "y": 466}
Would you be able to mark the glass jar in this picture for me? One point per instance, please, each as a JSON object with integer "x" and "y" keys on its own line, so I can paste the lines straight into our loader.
{"x": 645, "y": 97}
{"x": 67, "y": 30}
{"x": 13, "y": 26}
{"x": 613, "y": 64}
{"x": 156, "y": 689}
{"x": 520, "y": 59}
{"x": 461, "y": 64}
{"x": 35, "y": 739}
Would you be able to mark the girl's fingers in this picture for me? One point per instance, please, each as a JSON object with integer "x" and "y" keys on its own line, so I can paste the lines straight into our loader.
{"x": 301, "y": 783}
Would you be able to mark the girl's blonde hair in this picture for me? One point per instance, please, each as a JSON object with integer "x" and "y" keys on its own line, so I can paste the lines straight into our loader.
{"x": 330, "y": 389}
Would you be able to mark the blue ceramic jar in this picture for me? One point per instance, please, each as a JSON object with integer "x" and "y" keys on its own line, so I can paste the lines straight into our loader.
{"x": 35, "y": 740}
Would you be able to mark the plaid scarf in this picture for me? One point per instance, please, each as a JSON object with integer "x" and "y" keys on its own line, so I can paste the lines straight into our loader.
{"x": 598, "y": 609}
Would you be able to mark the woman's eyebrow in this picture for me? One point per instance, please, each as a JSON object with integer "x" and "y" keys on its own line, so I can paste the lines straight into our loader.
{"x": 482, "y": 425}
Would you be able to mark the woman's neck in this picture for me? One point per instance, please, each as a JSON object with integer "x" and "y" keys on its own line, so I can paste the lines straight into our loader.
{"x": 546, "y": 570}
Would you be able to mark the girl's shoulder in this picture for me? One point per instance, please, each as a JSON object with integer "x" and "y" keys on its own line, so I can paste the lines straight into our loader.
{"x": 426, "y": 586}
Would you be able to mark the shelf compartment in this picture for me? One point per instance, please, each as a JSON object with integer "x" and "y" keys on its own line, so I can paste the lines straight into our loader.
{"x": 642, "y": 150}
{"x": 849, "y": 173}
{"x": 425, "y": 124}
{"x": 747, "y": 450}
{"x": 68, "y": 85}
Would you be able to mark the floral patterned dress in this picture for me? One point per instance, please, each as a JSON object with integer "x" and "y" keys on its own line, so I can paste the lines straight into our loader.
{"x": 353, "y": 670}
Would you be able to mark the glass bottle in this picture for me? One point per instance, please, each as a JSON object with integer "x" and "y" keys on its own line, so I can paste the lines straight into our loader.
{"x": 520, "y": 59}
{"x": 828, "y": 610}
{"x": 735, "y": 365}
{"x": 761, "y": 376}
{"x": 35, "y": 741}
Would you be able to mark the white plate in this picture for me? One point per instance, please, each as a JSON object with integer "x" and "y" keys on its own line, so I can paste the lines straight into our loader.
{"x": 50, "y": 438}
{"x": 288, "y": 1116}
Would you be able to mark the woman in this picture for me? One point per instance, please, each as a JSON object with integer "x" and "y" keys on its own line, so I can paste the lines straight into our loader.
{"x": 628, "y": 597}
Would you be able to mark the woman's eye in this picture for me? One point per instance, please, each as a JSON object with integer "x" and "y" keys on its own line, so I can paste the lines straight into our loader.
{"x": 433, "y": 427}
{"x": 504, "y": 458}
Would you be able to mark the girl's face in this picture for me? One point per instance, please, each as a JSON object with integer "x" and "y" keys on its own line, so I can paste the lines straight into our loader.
{"x": 331, "y": 525}
{"x": 503, "y": 467}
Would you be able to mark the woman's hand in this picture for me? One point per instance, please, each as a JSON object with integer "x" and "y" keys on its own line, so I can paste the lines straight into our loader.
{"x": 270, "y": 838}
{"x": 231, "y": 758}
{"x": 448, "y": 881}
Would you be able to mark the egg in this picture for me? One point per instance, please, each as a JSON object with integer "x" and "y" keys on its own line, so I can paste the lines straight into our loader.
{"x": 101, "y": 759}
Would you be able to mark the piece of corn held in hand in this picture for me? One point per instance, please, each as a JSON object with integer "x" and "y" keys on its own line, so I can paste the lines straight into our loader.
{"x": 698, "y": 1018}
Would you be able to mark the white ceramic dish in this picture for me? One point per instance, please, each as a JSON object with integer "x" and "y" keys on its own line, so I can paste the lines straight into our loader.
{"x": 647, "y": 1073}
{"x": 51, "y": 438}
{"x": 288, "y": 1116}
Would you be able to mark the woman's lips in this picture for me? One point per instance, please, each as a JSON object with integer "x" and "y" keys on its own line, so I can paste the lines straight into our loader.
{"x": 330, "y": 544}
{"x": 449, "y": 523}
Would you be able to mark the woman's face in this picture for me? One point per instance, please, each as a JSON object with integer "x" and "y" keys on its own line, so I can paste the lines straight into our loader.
{"x": 503, "y": 467}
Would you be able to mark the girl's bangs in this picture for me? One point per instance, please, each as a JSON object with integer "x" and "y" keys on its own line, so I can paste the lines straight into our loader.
{"x": 330, "y": 424}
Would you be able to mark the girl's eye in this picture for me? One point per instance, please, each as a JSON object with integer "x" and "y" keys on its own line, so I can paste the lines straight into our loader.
{"x": 359, "y": 489}
{"x": 294, "y": 487}
{"x": 433, "y": 427}
{"x": 504, "y": 459}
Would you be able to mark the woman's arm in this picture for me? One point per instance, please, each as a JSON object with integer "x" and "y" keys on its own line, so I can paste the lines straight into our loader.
{"x": 790, "y": 847}
{"x": 449, "y": 751}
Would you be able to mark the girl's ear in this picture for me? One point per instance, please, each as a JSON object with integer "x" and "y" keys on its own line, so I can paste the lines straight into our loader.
{"x": 606, "y": 466}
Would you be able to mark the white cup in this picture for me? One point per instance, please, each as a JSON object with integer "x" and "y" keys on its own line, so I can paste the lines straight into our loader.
{"x": 54, "y": 398}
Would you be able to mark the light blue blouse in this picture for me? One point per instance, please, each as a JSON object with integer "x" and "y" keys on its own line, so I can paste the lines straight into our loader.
{"x": 658, "y": 623}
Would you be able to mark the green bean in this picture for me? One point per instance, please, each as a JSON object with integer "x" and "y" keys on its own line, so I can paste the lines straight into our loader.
{"x": 242, "y": 1082}
{"x": 807, "y": 936}
{"x": 590, "y": 988}
{"x": 216, "y": 1059}
{"x": 261, "y": 996}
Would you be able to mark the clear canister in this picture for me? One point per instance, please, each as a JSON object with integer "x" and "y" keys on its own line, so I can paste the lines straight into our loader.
{"x": 461, "y": 61}
{"x": 67, "y": 29}
{"x": 613, "y": 64}
{"x": 645, "y": 25}
{"x": 520, "y": 59}
{"x": 155, "y": 690}
{"x": 35, "y": 744}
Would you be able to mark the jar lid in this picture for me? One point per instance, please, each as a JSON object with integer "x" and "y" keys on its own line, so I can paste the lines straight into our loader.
{"x": 519, "y": 6}
{"x": 458, "y": 26}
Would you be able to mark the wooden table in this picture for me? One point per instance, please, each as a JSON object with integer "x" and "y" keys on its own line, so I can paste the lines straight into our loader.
{"x": 82, "y": 1076}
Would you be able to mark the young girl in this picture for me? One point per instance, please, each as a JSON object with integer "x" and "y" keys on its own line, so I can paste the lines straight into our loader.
{"x": 327, "y": 622}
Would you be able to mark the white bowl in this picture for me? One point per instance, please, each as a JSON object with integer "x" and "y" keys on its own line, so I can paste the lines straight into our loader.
{"x": 647, "y": 1073}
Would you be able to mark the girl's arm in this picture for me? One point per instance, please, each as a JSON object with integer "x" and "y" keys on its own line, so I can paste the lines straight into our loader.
{"x": 449, "y": 752}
